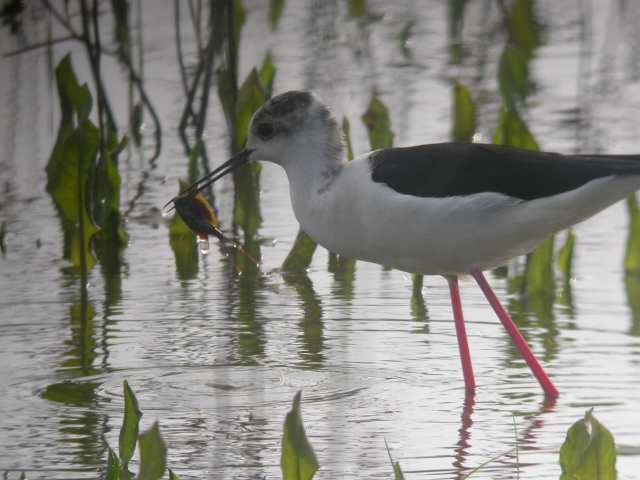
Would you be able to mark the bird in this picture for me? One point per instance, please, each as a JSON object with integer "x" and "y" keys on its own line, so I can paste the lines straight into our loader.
{"x": 447, "y": 209}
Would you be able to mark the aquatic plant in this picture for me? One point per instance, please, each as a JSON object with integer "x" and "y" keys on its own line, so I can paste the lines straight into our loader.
{"x": 298, "y": 460}
{"x": 151, "y": 445}
{"x": 464, "y": 114}
{"x": 397, "y": 471}
{"x": 588, "y": 452}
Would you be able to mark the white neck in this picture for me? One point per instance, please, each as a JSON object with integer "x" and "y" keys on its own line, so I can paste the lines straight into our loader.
{"x": 312, "y": 164}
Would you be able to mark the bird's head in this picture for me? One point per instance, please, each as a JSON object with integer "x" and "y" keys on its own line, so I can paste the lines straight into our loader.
{"x": 293, "y": 128}
{"x": 288, "y": 125}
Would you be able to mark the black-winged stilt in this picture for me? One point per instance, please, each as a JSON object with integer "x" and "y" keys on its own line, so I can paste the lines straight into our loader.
{"x": 444, "y": 209}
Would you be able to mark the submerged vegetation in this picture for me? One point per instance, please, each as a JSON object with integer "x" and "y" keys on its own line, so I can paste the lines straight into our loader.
{"x": 92, "y": 147}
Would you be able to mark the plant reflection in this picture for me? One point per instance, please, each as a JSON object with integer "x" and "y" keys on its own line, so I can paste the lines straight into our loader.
{"x": 311, "y": 325}
{"x": 632, "y": 286}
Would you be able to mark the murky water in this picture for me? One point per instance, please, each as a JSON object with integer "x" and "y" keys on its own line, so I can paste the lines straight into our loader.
{"x": 216, "y": 357}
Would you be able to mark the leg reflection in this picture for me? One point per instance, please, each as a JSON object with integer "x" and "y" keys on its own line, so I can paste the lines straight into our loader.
{"x": 464, "y": 435}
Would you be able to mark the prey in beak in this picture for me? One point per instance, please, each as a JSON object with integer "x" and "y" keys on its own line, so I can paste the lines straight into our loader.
{"x": 194, "y": 209}
{"x": 227, "y": 167}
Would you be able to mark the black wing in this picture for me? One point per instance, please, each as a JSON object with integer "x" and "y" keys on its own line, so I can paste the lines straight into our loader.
{"x": 451, "y": 169}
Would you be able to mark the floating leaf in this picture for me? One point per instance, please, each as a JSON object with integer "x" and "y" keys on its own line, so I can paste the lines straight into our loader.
{"x": 153, "y": 454}
{"x": 298, "y": 460}
{"x": 113, "y": 466}
{"x": 301, "y": 253}
{"x": 464, "y": 116}
{"x": 565, "y": 255}
{"x": 511, "y": 130}
{"x": 276, "y": 7}
{"x": 632, "y": 252}
{"x": 130, "y": 425}
{"x": 378, "y": 124}
{"x": 588, "y": 452}
{"x": 79, "y": 394}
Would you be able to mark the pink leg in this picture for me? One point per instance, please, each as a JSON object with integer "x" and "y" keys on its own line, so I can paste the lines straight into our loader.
{"x": 463, "y": 346}
{"x": 545, "y": 382}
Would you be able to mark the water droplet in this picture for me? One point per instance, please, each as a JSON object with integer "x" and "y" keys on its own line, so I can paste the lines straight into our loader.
{"x": 203, "y": 244}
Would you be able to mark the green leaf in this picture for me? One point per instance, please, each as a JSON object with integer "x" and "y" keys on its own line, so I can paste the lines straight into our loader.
{"x": 511, "y": 130}
{"x": 71, "y": 161}
{"x": 75, "y": 100}
{"x": 588, "y": 452}
{"x": 251, "y": 96}
{"x": 378, "y": 124}
{"x": 298, "y": 460}
{"x": 130, "y": 425}
{"x": 173, "y": 476}
{"x": 632, "y": 252}
{"x": 464, "y": 117}
{"x": 112, "y": 235}
{"x": 513, "y": 77}
{"x": 267, "y": 74}
{"x": 183, "y": 244}
{"x": 70, "y": 164}
{"x": 524, "y": 28}
{"x": 565, "y": 255}
{"x": 113, "y": 466}
{"x": 153, "y": 454}
{"x": 301, "y": 253}
{"x": 276, "y": 7}
{"x": 539, "y": 280}
{"x": 346, "y": 132}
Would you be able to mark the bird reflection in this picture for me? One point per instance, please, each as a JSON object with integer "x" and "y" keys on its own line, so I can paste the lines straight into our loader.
{"x": 461, "y": 451}
{"x": 525, "y": 439}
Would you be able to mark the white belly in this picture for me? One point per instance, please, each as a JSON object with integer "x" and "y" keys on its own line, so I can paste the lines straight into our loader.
{"x": 361, "y": 219}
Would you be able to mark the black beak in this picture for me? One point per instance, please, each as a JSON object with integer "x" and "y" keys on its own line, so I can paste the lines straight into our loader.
{"x": 227, "y": 167}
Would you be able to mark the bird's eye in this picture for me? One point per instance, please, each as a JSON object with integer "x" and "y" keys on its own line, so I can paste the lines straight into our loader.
{"x": 264, "y": 130}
